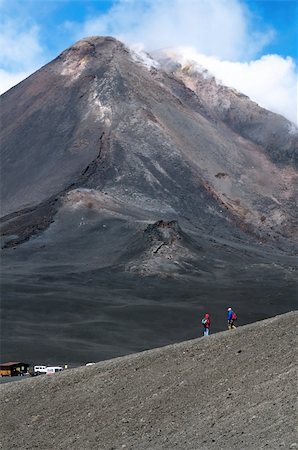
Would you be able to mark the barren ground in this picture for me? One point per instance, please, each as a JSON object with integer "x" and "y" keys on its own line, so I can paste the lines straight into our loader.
{"x": 233, "y": 390}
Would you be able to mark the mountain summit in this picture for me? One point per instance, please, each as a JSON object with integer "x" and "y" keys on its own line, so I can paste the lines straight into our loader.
{"x": 106, "y": 156}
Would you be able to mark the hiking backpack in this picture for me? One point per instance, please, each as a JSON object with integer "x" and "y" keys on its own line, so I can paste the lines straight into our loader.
{"x": 234, "y": 316}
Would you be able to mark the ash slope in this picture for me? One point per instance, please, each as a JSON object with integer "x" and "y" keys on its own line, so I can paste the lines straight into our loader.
{"x": 97, "y": 118}
{"x": 130, "y": 206}
{"x": 220, "y": 103}
{"x": 234, "y": 390}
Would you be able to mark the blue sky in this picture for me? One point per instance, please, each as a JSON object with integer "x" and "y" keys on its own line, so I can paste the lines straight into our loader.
{"x": 52, "y": 17}
{"x": 282, "y": 16}
{"x": 35, "y": 31}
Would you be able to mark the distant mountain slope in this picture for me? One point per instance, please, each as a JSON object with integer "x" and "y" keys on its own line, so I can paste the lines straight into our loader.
{"x": 96, "y": 117}
{"x": 234, "y": 390}
{"x": 275, "y": 134}
{"x": 134, "y": 196}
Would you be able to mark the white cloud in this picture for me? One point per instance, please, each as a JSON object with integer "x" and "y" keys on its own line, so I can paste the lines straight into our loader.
{"x": 20, "y": 52}
{"x": 19, "y": 48}
{"x": 9, "y": 79}
{"x": 271, "y": 81}
{"x": 142, "y": 57}
{"x": 223, "y": 28}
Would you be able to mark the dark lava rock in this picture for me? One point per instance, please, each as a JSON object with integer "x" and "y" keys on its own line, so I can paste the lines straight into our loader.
{"x": 166, "y": 232}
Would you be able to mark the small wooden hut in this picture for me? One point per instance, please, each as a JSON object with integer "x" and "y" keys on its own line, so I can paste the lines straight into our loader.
{"x": 12, "y": 369}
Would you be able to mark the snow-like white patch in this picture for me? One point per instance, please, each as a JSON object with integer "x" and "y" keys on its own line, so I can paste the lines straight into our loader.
{"x": 293, "y": 129}
{"x": 73, "y": 67}
{"x": 141, "y": 57}
{"x": 160, "y": 169}
{"x": 103, "y": 112}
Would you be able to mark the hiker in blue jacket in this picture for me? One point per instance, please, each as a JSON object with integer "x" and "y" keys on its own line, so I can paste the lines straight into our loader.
{"x": 232, "y": 316}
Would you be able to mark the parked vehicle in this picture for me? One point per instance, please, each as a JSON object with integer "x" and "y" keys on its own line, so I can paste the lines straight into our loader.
{"x": 39, "y": 370}
{"x": 54, "y": 369}
{"x": 45, "y": 370}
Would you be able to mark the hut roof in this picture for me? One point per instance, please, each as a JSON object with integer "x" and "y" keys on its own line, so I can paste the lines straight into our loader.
{"x": 13, "y": 363}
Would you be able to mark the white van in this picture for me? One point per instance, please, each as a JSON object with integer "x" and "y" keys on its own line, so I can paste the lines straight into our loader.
{"x": 38, "y": 370}
{"x": 54, "y": 369}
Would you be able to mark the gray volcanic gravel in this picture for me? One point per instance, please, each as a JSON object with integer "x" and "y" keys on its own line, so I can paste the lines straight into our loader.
{"x": 233, "y": 390}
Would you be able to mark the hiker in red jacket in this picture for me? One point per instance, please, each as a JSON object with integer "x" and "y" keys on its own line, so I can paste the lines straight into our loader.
{"x": 206, "y": 324}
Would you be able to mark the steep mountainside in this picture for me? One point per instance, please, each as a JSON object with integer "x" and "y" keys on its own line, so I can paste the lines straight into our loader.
{"x": 276, "y": 136}
{"x": 129, "y": 189}
{"x": 234, "y": 390}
